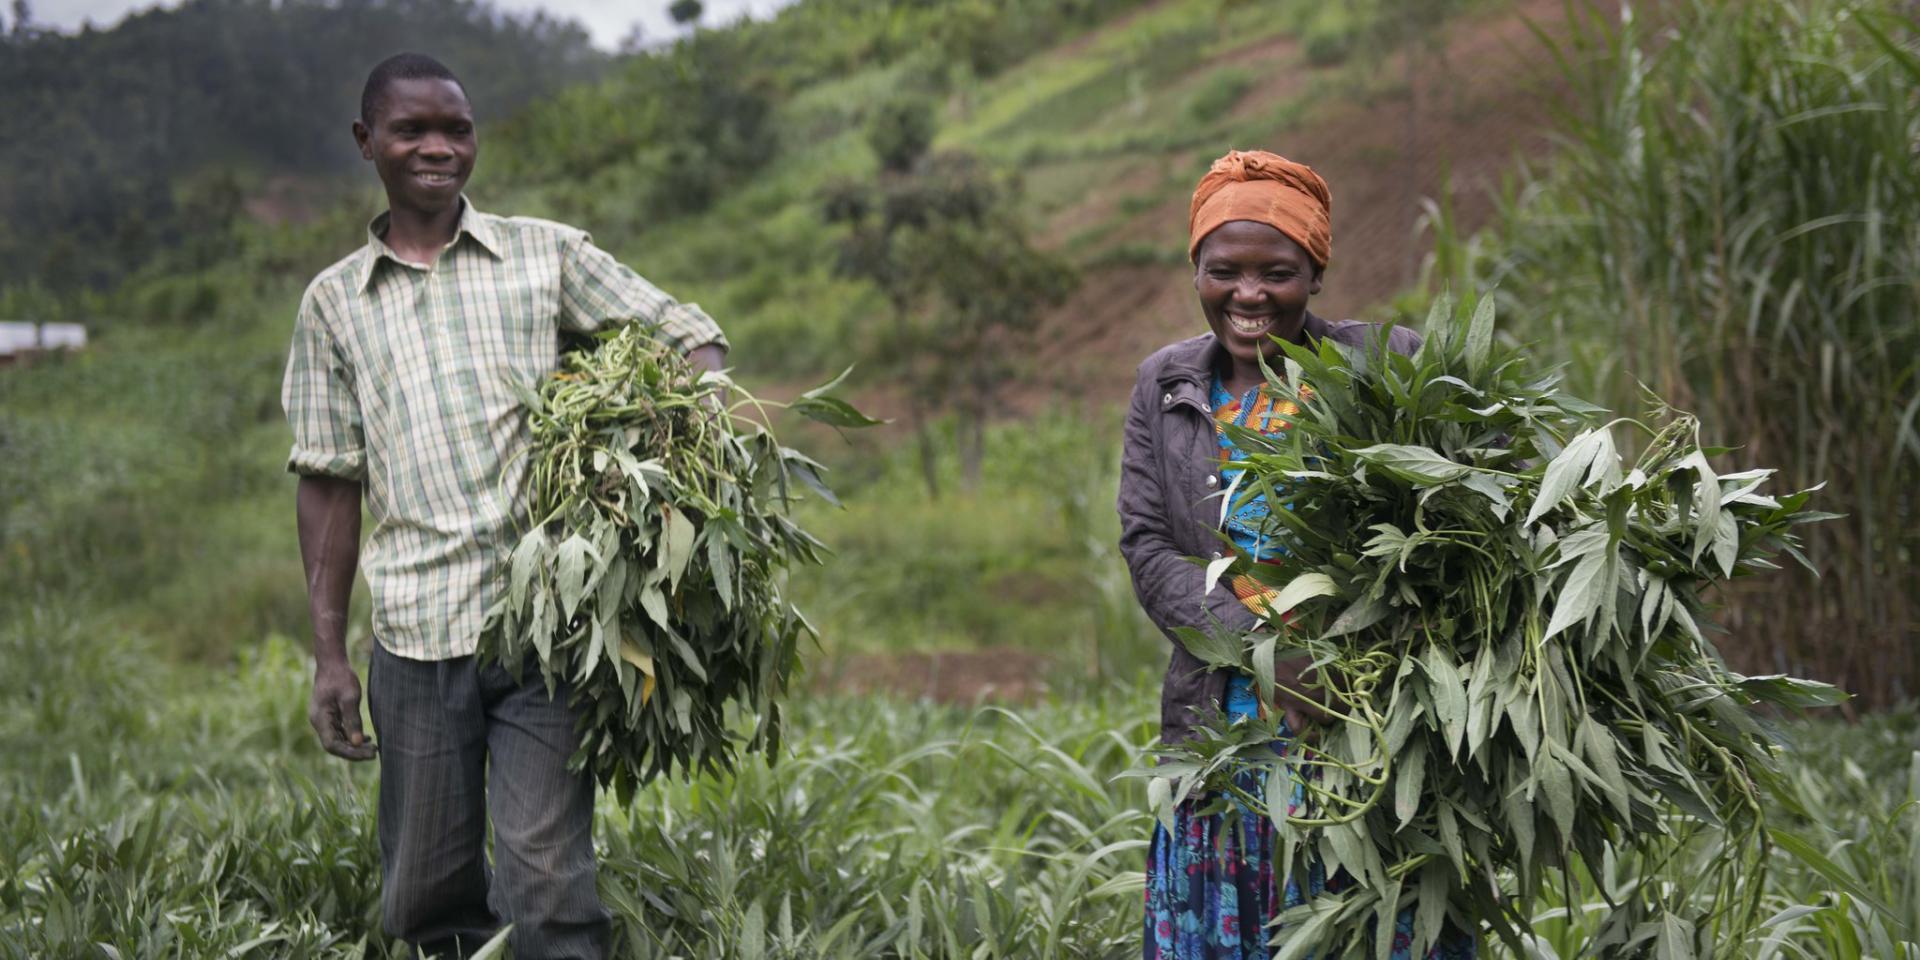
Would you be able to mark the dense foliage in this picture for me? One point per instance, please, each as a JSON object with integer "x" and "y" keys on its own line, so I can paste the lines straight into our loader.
{"x": 651, "y": 583}
{"x": 1734, "y": 221}
{"x": 1509, "y": 630}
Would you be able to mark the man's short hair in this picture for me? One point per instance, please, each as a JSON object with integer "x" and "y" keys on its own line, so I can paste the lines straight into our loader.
{"x": 401, "y": 66}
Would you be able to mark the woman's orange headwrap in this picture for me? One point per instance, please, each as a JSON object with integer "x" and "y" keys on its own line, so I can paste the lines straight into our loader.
{"x": 1265, "y": 188}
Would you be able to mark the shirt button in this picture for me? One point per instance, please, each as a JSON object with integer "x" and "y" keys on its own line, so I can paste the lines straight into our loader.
{"x": 1212, "y": 481}
{"x": 1216, "y": 555}
{"x": 1167, "y": 401}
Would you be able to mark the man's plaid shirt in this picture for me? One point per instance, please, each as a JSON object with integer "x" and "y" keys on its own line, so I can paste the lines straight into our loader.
{"x": 399, "y": 378}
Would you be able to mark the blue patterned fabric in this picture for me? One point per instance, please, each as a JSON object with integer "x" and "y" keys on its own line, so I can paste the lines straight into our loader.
{"x": 1254, "y": 411}
{"x": 1211, "y": 886}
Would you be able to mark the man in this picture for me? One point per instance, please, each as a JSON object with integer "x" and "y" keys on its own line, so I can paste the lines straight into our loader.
{"x": 398, "y": 384}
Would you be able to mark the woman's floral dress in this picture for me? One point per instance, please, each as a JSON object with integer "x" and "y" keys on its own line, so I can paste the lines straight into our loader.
{"x": 1211, "y": 888}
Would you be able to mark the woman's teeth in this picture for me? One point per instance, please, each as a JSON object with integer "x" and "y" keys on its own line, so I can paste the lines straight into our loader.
{"x": 1248, "y": 326}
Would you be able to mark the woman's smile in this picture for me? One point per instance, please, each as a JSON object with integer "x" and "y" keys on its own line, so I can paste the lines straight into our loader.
{"x": 1249, "y": 324}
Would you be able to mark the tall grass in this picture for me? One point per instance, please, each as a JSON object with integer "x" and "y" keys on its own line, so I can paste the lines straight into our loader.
{"x": 150, "y": 809}
{"x": 1734, "y": 221}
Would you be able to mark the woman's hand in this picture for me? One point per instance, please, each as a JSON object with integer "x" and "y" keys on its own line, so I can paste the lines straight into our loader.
{"x": 1293, "y": 677}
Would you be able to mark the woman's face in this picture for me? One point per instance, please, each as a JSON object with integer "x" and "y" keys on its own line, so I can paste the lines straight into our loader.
{"x": 1253, "y": 282}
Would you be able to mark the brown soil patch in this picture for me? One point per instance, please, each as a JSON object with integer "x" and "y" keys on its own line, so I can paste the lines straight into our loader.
{"x": 1003, "y": 674}
{"x": 1099, "y": 206}
{"x": 1458, "y": 121}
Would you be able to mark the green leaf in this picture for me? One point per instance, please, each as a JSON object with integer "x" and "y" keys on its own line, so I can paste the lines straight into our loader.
{"x": 1706, "y": 502}
{"x": 677, "y": 545}
{"x": 1410, "y": 778}
{"x": 809, "y": 473}
{"x": 1361, "y": 614}
{"x": 1430, "y": 909}
{"x": 1782, "y": 690}
{"x": 1216, "y": 648}
{"x": 524, "y": 562}
{"x": 1556, "y": 785}
{"x": 1439, "y": 331}
{"x": 1488, "y": 485}
{"x": 496, "y": 946}
{"x": 1263, "y": 667}
{"x": 1449, "y": 693}
{"x": 1302, "y": 588}
{"x": 1564, "y": 473}
{"x": 683, "y": 710}
{"x": 720, "y": 561}
{"x": 832, "y": 411}
{"x": 1215, "y": 568}
{"x": 1580, "y": 595}
{"x": 654, "y": 602}
{"x": 1676, "y": 939}
{"x": 572, "y": 568}
{"x": 1597, "y": 744}
{"x": 1480, "y": 336}
{"x": 1160, "y": 800}
{"x": 1415, "y": 464}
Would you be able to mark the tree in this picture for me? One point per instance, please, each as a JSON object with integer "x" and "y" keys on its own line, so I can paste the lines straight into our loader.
{"x": 938, "y": 235}
{"x": 101, "y": 130}
{"x": 990, "y": 284}
{"x": 686, "y": 13}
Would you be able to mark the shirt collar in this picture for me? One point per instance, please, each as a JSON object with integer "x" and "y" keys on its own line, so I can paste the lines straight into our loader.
{"x": 473, "y": 224}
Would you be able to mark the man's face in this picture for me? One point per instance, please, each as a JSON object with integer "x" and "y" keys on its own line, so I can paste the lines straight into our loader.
{"x": 422, "y": 143}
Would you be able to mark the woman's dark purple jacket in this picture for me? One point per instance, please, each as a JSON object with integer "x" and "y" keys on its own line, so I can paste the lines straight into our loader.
{"x": 1169, "y": 508}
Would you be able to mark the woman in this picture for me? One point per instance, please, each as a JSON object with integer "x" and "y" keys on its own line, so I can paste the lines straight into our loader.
{"x": 1259, "y": 236}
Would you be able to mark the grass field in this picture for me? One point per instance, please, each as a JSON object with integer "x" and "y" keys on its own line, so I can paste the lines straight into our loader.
{"x": 154, "y": 810}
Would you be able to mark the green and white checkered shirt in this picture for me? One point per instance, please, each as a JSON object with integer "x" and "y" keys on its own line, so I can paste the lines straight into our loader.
{"x": 399, "y": 378}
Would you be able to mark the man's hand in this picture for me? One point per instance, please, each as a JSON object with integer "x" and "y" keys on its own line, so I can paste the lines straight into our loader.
{"x": 334, "y": 712}
{"x": 329, "y": 516}
{"x": 711, "y": 358}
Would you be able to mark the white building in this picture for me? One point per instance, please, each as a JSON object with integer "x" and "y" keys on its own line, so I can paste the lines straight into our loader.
{"x": 20, "y": 340}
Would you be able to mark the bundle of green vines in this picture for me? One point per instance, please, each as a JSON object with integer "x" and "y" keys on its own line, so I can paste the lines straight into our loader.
{"x": 650, "y": 582}
{"x": 1508, "y": 623}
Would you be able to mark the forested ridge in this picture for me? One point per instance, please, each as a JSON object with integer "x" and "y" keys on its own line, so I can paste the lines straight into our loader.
{"x": 117, "y": 145}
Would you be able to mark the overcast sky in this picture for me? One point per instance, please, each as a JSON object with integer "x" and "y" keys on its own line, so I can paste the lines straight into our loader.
{"x": 607, "y": 20}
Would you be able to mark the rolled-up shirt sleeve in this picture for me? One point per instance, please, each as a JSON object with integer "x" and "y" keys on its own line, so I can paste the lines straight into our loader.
{"x": 597, "y": 290}
{"x": 318, "y": 397}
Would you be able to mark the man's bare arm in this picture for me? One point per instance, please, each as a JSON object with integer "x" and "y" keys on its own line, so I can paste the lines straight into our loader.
{"x": 711, "y": 356}
{"x": 329, "y": 519}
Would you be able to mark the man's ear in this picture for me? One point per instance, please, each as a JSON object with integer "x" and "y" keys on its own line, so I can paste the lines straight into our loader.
{"x": 364, "y": 137}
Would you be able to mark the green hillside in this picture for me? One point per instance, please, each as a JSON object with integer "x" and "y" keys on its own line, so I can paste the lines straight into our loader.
{"x": 706, "y": 166}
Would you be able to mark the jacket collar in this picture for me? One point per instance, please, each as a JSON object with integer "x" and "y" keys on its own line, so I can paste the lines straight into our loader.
{"x": 1197, "y": 358}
